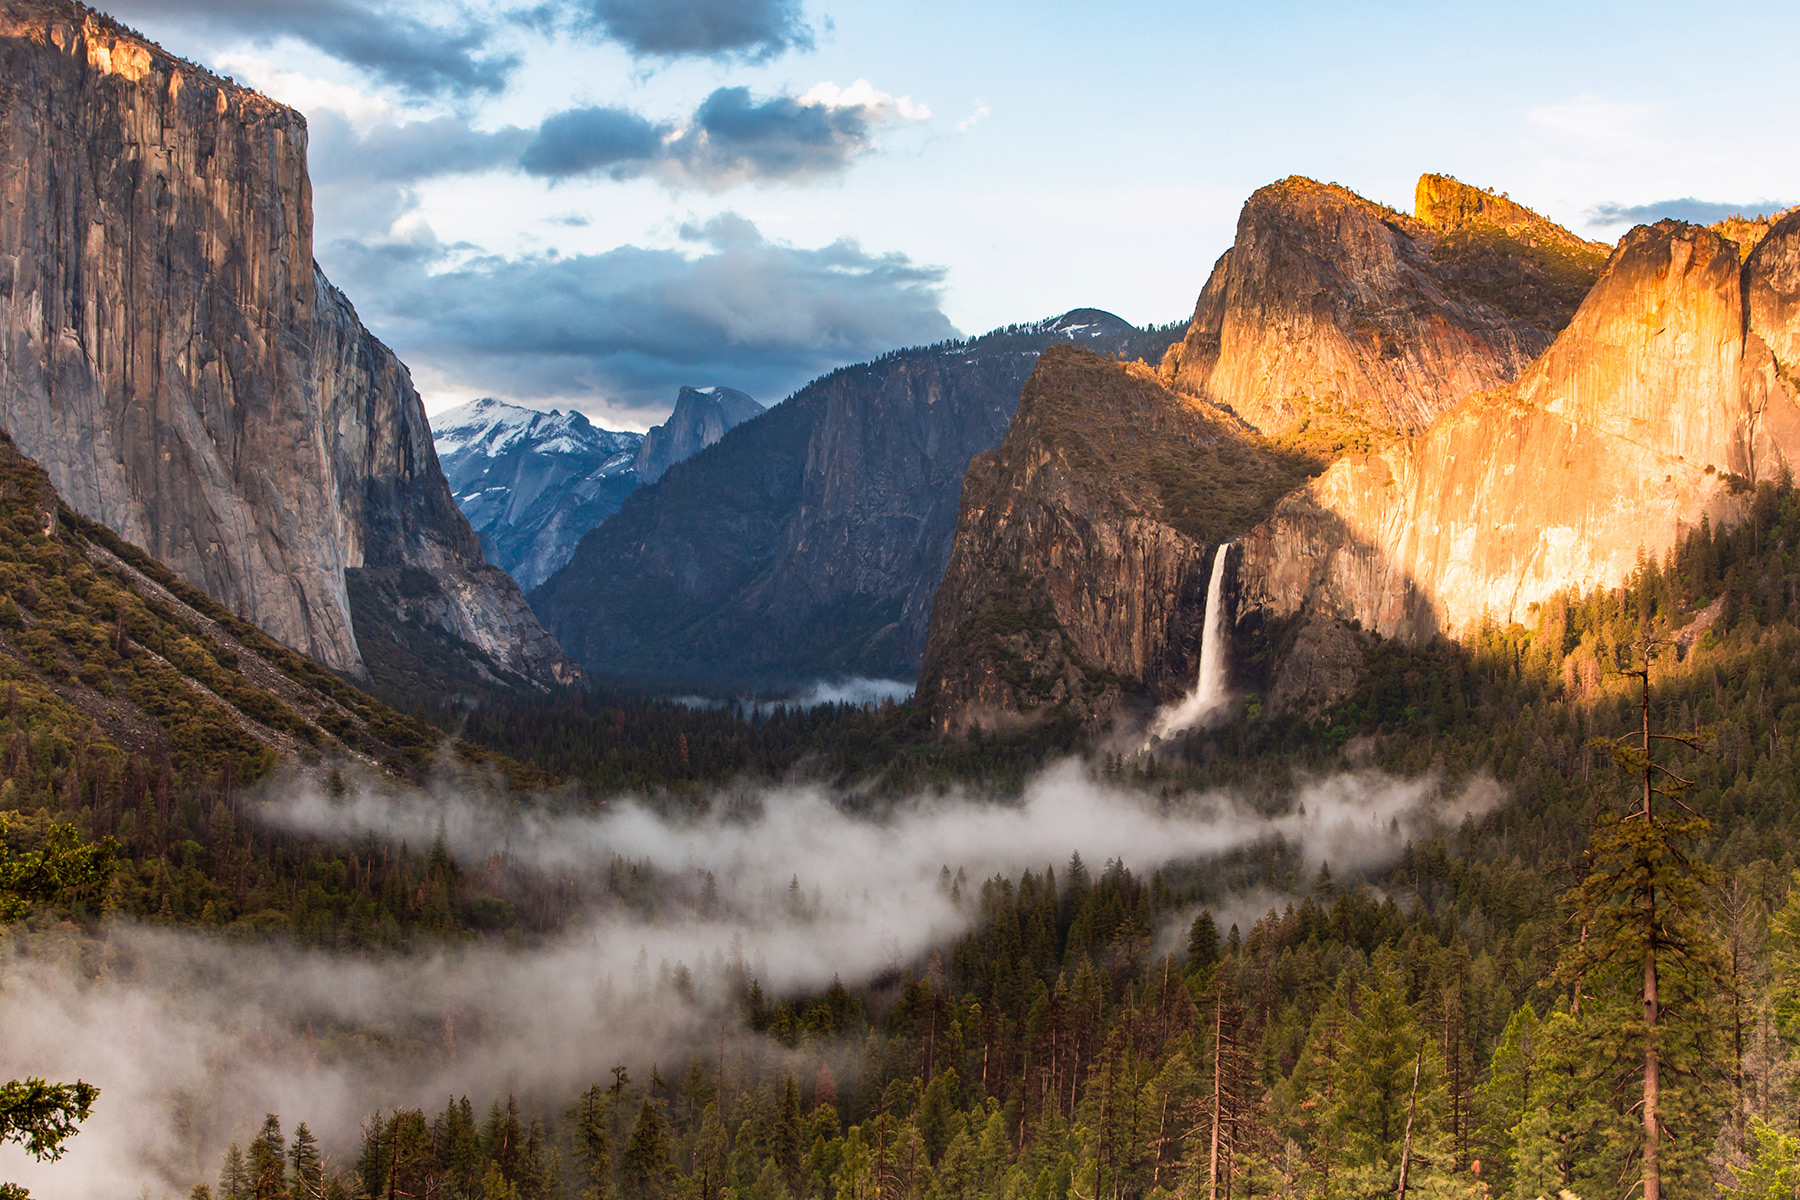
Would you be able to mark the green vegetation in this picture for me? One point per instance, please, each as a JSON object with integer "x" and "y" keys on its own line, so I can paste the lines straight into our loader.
{"x": 1473, "y": 1013}
{"x": 35, "y": 1114}
{"x": 1538, "y": 280}
{"x": 135, "y": 709}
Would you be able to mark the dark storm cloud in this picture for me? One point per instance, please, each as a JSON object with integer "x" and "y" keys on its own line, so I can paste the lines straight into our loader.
{"x": 589, "y": 141}
{"x": 731, "y": 138}
{"x": 753, "y": 29}
{"x": 415, "y": 56}
{"x": 734, "y": 136}
{"x": 618, "y": 332}
{"x": 1699, "y": 212}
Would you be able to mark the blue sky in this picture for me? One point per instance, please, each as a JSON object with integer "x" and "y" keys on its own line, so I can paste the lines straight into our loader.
{"x": 590, "y": 202}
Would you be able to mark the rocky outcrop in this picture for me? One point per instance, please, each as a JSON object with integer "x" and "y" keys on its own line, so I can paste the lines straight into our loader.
{"x": 171, "y": 356}
{"x": 808, "y": 542}
{"x": 532, "y": 483}
{"x": 1084, "y": 546}
{"x": 1673, "y": 391}
{"x": 702, "y": 416}
{"x": 1336, "y": 314}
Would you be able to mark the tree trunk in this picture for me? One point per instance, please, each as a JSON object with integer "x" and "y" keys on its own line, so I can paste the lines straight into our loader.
{"x": 1412, "y": 1108}
{"x": 1652, "y": 1064}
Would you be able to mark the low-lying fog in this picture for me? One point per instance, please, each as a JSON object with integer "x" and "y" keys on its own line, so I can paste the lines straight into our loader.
{"x": 193, "y": 1037}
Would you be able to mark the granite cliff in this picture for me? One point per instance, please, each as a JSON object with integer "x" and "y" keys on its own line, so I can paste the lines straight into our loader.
{"x": 701, "y": 417}
{"x": 172, "y": 357}
{"x": 1675, "y": 389}
{"x": 808, "y": 541}
{"x": 1084, "y": 544}
{"x": 1332, "y": 323}
{"x": 1334, "y": 314}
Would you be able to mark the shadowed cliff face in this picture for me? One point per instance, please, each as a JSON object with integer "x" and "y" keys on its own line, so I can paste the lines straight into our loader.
{"x": 702, "y": 416}
{"x": 1331, "y": 313}
{"x": 1671, "y": 393}
{"x": 183, "y": 373}
{"x": 1084, "y": 544}
{"x": 809, "y": 541}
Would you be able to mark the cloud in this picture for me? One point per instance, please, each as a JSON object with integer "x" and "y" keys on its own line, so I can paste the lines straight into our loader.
{"x": 458, "y": 58}
{"x": 191, "y": 1038}
{"x": 749, "y": 29}
{"x": 588, "y": 141}
{"x": 340, "y": 154}
{"x": 981, "y": 113}
{"x": 1688, "y": 208}
{"x": 733, "y": 137}
{"x": 616, "y": 333}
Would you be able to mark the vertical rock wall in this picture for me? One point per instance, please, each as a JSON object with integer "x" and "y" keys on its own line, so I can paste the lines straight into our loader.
{"x": 170, "y": 354}
{"x": 1670, "y": 394}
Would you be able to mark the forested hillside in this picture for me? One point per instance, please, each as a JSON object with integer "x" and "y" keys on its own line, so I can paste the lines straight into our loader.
{"x": 1474, "y": 1011}
{"x": 1079, "y": 1039}
{"x": 138, "y": 709}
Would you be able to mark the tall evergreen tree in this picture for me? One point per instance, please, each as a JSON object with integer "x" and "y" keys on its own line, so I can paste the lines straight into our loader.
{"x": 268, "y": 1162}
{"x": 1648, "y": 957}
{"x": 593, "y": 1148}
{"x": 235, "y": 1181}
{"x": 644, "y": 1167}
{"x": 309, "y": 1166}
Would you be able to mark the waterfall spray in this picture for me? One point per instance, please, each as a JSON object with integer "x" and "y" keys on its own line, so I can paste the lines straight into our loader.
{"x": 1208, "y": 695}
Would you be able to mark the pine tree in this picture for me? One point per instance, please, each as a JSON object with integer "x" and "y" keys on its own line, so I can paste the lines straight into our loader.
{"x": 235, "y": 1182}
{"x": 1503, "y": 1101}
{"x": 784, "y": 1138}
{"x": 644, "y": 1168}
{"x": 593, "y": 1149}
{"x": 457, "y": 1145}
{"x": 1203, "y": 941}
{"x": 309, "y": 1167}
{"x": 268, "y": 1162}
{"x": 1649, "y": 958}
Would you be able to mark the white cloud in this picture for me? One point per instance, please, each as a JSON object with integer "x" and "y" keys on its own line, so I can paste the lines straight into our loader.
{"x": 308, "y": 94}
{"x": 969, "y": 122}
{"x": 876, "y": 104}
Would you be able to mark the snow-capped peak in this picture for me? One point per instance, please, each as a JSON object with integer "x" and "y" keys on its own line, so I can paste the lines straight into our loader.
{"x": 492, "y": 427}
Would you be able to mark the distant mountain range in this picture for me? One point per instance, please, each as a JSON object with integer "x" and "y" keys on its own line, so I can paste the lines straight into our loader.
{"x": 532, "y": 483}
{"x": 809, "y": 541}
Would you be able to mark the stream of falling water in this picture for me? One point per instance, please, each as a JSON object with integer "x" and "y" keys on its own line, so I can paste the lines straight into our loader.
{"x": 1208, "y": 695}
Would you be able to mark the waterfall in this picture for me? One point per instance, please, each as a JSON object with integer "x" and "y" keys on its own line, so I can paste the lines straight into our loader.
{"x": 1208, "y": 695}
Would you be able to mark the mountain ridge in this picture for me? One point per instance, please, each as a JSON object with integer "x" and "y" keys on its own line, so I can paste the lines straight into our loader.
{"x": 1325, "y": 331}
{"x": 532, "y": 483}
{"x": 809, "y": 541}
{"x": 1328, "y": 304}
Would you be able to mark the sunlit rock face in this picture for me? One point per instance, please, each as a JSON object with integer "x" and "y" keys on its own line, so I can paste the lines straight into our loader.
{"x": 1079, "y": 574}
{"x": 176, "y": 362}
{"x": 1670, "y": 393}
{"x": 1331, "y": 307}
